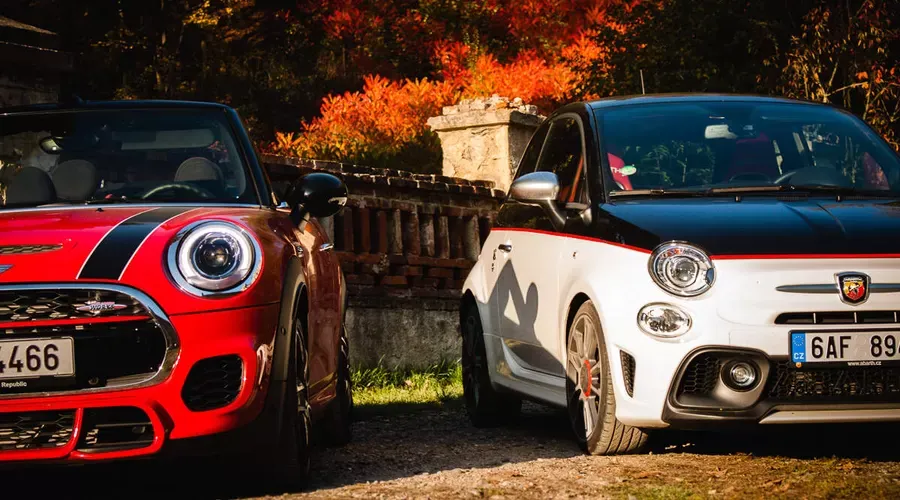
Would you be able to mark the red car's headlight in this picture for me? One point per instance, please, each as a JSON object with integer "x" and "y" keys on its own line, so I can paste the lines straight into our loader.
{"x": 214, "y": 258}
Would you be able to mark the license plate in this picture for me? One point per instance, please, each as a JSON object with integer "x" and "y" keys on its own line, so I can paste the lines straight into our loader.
{"x": 33, "y": 358}
{"x": 846, "y": 348}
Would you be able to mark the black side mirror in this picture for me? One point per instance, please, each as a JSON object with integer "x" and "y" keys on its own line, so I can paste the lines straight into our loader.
{"x": 318, "y": 195}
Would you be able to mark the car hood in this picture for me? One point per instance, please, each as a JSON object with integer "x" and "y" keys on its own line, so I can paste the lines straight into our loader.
{"x": 760, "y": 226}
{"x": 124, "y": 245}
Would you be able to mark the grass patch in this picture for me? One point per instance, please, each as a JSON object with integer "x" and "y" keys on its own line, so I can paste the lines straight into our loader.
{"x": 657, "y": 492}
{"x": 381, "y": 389}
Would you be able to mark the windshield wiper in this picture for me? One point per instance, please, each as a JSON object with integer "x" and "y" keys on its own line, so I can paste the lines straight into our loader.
{"x": 659, "y": 192}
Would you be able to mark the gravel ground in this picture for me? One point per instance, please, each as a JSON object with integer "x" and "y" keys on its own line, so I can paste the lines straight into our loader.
{"x": 435, "y": 453}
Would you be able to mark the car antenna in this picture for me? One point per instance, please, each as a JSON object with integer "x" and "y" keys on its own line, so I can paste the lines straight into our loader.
{"x": 643, "y": 91}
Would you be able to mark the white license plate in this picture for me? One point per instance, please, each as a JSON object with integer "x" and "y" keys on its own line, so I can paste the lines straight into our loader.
{"x": 30, "y": 358}
{"x": 846, "y": 348}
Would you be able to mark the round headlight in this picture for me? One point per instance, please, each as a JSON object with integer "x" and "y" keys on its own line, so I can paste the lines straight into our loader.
{"x": 214, "y": 257}
{"x": 682, "y": 269}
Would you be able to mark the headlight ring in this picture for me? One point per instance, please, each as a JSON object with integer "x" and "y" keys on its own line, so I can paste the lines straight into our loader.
{"x": 214, "y": 258}
{"x": 681, "y": 269}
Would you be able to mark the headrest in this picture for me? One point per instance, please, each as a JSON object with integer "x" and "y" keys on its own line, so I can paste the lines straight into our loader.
{"x": 198, "y": 169}
{"x": 30, "y": 187}
{"x": 75, "y": 180}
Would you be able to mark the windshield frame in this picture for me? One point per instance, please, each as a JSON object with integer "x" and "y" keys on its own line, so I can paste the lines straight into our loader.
{"x": 610, "y": 191}
{"x": 257, "y": 182}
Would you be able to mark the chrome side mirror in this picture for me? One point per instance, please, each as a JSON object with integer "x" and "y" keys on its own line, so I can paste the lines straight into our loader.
{"x": 539, "y": 189}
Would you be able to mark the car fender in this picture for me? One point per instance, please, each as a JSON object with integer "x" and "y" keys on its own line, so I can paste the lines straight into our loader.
{"x": 475, "y": 284}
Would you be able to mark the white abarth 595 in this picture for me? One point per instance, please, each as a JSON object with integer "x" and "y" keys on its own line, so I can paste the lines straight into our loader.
{"x": 685, "y": 260}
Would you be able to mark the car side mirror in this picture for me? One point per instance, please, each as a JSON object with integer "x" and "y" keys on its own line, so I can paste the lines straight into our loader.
{"x": 318, "y": 195}
{"x": 539, "y": 189}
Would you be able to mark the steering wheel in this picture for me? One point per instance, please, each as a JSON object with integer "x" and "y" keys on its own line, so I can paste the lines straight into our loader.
{"x": 194, "y": 190}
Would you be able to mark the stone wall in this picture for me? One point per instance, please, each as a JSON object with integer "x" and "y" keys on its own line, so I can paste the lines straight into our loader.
{"x": 406, "y": 243}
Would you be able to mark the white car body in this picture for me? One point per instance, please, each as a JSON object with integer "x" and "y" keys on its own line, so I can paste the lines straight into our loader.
{"x": 534, "y": 272}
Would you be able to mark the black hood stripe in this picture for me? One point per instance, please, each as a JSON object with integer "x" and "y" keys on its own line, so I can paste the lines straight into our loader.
{"x": 114, "y": 252}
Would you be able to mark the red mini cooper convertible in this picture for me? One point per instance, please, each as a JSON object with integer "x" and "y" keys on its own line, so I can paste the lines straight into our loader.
{"x": 156, "y": 295}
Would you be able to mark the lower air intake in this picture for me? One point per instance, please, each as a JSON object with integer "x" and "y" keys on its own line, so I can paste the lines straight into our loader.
{"x": 628, "y": 366}
{"x": 35, "y": 430}
{"x": 213, "y": 383}
{"x": 115, "y": 429}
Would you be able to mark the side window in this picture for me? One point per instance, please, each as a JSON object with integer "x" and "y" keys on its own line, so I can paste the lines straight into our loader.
{"x": 563, "y": 155}
{"x": 533, "y": 151}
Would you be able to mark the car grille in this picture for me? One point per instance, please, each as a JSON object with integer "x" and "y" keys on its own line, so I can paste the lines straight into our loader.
{"x": 35, "y": 430}
{"x": 848, "y": 384}
{"x": 23, "y": 306}
{"x": 104, "y": 353}
{"x": 213, "y": 383}
{"x": 27, "y": 249}
{"x": 838, "y": 318}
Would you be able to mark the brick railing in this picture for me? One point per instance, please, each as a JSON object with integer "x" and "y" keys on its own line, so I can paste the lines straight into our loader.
{"x": 405, "y": 241}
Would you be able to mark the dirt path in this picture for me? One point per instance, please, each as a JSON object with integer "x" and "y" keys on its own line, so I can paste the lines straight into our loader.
{"x": 437, "y": 454}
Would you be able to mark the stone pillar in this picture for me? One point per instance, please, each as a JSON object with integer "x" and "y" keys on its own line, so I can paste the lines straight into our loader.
{"x": 483, "y": 139}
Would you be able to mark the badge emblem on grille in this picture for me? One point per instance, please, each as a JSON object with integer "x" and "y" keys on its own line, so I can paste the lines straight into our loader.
{"x": 97, "y": 307}
{"x": 4, "y": 268}
{"x": 854, "y": 287}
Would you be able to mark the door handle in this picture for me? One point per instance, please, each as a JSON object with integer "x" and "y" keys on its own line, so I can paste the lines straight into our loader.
{"x": 505, "y": 247}
{"x": 324, "y": 247}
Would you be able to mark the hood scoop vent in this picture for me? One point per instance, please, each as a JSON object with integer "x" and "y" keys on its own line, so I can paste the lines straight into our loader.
{"x": 27, "y": 249}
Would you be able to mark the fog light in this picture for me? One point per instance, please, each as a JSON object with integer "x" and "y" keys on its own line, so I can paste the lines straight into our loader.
{"x": 741, "y": 375}
{"x": 663, "y": 320}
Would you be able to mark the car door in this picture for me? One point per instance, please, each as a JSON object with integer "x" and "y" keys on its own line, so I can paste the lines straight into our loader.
{"x": 528, "y": 256}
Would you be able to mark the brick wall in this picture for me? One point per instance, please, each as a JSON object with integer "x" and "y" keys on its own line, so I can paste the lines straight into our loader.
{"x": 406, "y": 243}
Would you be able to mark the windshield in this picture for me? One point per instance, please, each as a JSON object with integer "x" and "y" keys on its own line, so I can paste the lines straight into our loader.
{"x": 120, "y": 156}
{"x": 702, "y": 146}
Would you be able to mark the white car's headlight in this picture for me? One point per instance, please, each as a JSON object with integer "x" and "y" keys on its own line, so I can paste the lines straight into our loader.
{"x": 214, "y": 258}
{"x": 681, "y": 269}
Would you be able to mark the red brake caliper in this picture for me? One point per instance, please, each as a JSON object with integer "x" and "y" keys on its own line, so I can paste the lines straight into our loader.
{"x": 587, "y": 378}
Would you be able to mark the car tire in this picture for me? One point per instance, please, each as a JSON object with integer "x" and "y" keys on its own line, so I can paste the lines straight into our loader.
{"x": 485, "y": 406}
{"x": 340, "y": 419}
{"x": 289, "y": 465}
{"x": 592, "y": 406}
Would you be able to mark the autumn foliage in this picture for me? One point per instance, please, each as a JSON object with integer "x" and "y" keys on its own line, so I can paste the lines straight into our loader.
{"x": 547, "y": 47}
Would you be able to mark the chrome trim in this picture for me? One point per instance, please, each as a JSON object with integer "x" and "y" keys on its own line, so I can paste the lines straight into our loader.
{"x": 179, "y": 280}
{"x": 823, "y": 288}
{"x": 173, "y": 345}
{"x": 324, "y": 247}
{"x": 5, "y": 267}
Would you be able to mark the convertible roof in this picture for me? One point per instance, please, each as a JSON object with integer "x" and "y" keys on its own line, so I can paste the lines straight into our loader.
{"x": 107, "y": 105}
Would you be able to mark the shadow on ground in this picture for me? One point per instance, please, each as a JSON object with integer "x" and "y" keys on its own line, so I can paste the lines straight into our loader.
{"x": 398, "y": 442}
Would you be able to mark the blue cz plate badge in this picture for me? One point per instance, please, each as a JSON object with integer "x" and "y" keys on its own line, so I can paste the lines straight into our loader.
{"x": 798, "y": 347}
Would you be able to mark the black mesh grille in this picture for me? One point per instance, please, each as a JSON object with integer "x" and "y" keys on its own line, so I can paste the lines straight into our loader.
{"x": 26, "y": 249}
{"x": 103, "y": 352}
{"x": 701, "y": 375}
{"x": 35, "y": 305}
{"x": 213, "y": 383}
{"x": 116, "y": 428}
{"x": 848, "y": 384}
{"x": 35, "y": 430}
{"x": 628, "y": 366}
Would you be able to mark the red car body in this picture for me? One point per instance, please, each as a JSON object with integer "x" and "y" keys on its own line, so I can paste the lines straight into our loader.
{"x": 155, "y": 365}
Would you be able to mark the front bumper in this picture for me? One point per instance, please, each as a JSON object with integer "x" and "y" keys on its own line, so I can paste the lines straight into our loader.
{"x": 217, "y": 383}
{"x": 658, "y": 384}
